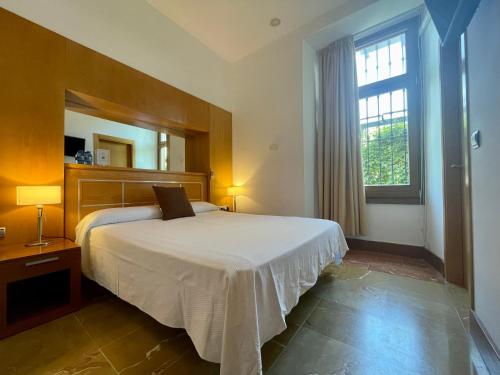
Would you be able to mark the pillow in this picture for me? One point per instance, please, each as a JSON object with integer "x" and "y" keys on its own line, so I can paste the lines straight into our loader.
{"x": 114, "y": 216}
{"x": 173, "y": 202}
{"x": 199, "y": 207}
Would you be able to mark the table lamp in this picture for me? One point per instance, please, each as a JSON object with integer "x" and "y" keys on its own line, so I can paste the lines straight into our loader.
{"x": 234, "y": 191}
{"x": 38, "y": 196}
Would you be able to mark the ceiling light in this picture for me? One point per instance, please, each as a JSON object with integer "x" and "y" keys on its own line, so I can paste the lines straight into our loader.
{"x": 275, "y": 22}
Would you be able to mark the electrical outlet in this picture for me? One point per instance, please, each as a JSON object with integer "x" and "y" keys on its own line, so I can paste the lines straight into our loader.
{"x": 3, "y": 232}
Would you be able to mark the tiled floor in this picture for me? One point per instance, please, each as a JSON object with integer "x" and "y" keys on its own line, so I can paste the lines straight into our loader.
{"x": 396, "y": 265}
{"x": 356, "y": 320}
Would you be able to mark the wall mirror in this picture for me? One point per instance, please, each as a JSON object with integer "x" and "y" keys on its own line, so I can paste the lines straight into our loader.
{"x": 115, "y": 144}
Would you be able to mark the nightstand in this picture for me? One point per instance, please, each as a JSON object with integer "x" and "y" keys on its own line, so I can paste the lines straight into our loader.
{"x": 38, "y": 284}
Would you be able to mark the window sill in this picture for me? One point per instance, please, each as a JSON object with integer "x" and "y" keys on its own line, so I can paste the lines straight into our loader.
{"x": 399, "y": 200}
{"x": 393, "y": 194}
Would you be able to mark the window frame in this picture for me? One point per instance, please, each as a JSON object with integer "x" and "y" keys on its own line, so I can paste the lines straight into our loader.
{"x": 412, "y": 193}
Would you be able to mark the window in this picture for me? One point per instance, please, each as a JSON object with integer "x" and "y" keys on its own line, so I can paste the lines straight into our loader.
{"x": 163, "y": 159}
{"x": 387, "y": 65}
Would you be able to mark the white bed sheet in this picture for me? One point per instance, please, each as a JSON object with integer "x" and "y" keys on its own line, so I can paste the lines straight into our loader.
{"x": 228, "y": 279}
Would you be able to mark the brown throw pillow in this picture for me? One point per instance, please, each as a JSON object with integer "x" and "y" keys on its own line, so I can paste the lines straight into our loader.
{"x": 173, "y": 202}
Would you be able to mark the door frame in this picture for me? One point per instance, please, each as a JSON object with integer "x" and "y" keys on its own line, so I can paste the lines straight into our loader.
{"x": 466, "y": 176}
{"x": 128, "y": 142}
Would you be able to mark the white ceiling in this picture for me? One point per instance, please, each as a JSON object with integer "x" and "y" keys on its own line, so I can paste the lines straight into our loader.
{"x": 236, "y": 28}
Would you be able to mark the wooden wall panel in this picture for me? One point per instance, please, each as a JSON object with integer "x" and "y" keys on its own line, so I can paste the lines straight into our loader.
{"x": 221, "y": 155}
{"x": 100, "y": 193}
{"x": 193, "y": 191}
{"x": 37, "y": 67}
{"x": 198, "y": 153}
{"x": 31, "y": 122}
{"x": 142, "y": 193}
{"x": 139, "y": 193}
{"x": 100, "y": 76}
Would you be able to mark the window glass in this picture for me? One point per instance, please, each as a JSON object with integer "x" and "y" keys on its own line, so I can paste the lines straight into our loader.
{"x": 382, "y": 60}
{"x": 163, "y": 158}
{"x": 384, "y": 138}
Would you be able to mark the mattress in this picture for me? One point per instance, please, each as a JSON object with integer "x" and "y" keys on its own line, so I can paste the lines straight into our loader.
{"x": 229, "y": 279}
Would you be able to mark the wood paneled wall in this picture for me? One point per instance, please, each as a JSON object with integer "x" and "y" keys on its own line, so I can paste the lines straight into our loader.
{"x": 91, "y": 73}
{"x": 37, "y": 66}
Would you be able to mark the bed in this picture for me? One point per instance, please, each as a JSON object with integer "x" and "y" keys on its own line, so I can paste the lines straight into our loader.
{"x": 229, "y": 279}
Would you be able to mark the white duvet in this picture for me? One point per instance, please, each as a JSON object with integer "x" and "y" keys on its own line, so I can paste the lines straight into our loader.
{"x": 229, "y": 279}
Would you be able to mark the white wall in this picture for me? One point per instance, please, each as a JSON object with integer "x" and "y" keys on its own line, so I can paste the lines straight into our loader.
{"x": 309, "y": 100}
{"x": 268, "y": 152}
{"x": 396, "y": 223}
{"x": 136, "y": 34}
{"x": 484, "y": 100}
{"x": 433, "y": 148}
{"x": 272, "y": 105}
{"x": 84, "y": 126}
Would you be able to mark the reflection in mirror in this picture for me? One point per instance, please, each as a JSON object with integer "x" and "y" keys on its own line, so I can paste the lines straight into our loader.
{"x": 111, "y": 143}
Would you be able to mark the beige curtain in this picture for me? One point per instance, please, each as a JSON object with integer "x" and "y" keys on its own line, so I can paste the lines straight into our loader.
{"x": 341, "y": 193}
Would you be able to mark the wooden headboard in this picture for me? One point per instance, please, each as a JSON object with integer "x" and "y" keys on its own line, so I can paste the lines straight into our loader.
{"x": 89, "y": 188}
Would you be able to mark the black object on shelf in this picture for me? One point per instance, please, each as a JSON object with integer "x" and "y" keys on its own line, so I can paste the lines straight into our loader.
{"x": 72, "y": 145}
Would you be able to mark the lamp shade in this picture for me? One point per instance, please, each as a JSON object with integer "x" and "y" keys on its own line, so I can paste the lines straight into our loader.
{"x": 234, "y": 191}
{"x": 36, "y": 195}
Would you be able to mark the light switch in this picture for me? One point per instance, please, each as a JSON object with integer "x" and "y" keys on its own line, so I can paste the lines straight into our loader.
{"x": 3, "y": 232}
{"x": 475, "y": 139}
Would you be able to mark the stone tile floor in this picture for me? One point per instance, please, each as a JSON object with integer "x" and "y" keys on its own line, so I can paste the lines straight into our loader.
{"x": 356, "y": 320}
{"x": 396, "y": 265}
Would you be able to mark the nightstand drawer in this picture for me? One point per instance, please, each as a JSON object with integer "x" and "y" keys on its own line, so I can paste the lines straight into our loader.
{"x": 39, "y": 265}
{"x": 38, "y": 262}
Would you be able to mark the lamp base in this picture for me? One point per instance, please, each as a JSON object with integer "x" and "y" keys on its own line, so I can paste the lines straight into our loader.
{"x": 40, "y": 241}
{"x": 37, "y": 243}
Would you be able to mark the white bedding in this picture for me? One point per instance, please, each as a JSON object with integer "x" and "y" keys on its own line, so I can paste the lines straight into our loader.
{"x": 228, "y": 279}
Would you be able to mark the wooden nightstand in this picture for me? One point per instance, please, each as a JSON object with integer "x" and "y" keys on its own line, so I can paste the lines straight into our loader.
{"x": 38, "y": 284}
